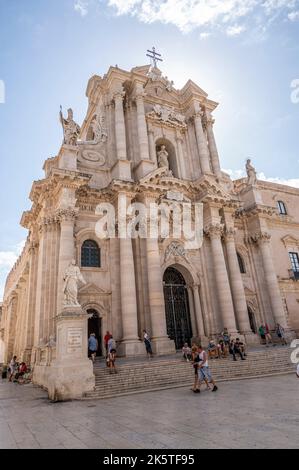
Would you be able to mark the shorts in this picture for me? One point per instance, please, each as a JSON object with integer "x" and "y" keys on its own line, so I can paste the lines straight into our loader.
{"x": 205, "y": 373}
{"x": 90, "y": 352}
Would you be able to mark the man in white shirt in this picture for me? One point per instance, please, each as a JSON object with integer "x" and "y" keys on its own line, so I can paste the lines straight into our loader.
{"x": 204, "y": 370}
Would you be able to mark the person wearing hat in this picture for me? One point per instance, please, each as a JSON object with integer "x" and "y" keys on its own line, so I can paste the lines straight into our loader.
{"x": 92, "y": 346}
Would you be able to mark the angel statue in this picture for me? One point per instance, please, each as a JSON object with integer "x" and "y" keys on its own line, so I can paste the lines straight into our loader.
{"x": 72, "y": 277}
{"x": 71, "y": 130}
{"x": 251, "y": 173}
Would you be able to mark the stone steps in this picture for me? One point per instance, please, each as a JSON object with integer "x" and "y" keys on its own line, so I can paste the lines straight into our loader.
{"x": 158, "y": 374}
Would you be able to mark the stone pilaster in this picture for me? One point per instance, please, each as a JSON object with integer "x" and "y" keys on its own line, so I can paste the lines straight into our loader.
{"x": 31, "y": 302}
{"x": 161, "y": 343}
{"x": 222, "y": 288}
{"x": 152, "y": 147}
{"x": 236, "y": 283}
{"x": 263, "y": 240}
{"x": 198, "y": 312}
{"x": 120, "y": 129}
{"x": 202, "y": 145}
{"x": 181, "y": 160}
{"x": 212, "y": 145}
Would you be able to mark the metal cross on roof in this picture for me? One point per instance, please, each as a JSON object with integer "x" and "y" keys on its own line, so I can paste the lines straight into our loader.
{"x": 154, "y": 56}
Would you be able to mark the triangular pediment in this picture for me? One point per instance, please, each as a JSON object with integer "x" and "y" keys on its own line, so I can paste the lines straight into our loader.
{"x": 191, "y": 87}
{"x": 91, "y": 288}
{"x": 290, "y": 240}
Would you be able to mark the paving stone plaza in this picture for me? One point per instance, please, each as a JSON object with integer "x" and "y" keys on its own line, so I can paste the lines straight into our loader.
{"x": 262, "y": 413}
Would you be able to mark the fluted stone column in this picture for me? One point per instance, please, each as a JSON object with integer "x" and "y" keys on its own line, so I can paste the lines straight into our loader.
{"x": 179, "y": 140}
{"x": 192, "y": 311}
{"x": 198, "y": 311}
{"x": 31, "y": 301}
{"x": 141, "y": 123}
{"x": 120, "y": 129}
{"x": 236, "y": 282}
{"x": 263, "y": 240}
{"x": 161, "y": 343}
{"x": 212, "y": 145}
{"x": 222, "y": 288}
{"x": 128, "y": 291}
{"x": 152, "y": 147}
{"x": 67, "y": 219}
{"x": 202, "y": 144}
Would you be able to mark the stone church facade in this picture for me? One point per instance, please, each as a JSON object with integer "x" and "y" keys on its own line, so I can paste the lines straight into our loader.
{"x": 147, "y": 141}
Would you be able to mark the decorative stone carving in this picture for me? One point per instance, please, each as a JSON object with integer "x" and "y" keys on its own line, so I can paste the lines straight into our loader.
{"x": 176, "y": 249}
{"x": 230, "y": 233}
{"x": 71, "y": 130}
{"x": 214, "y": 230}
{"x": 94, "y": 157}
{"x": 251, "y": 173}
{"x": 167, "y": 115}
{"x": 261, "y": 237}
{"x": 99, "y": 129}
{"x": 72, "y": 277}
{"x": 67, "y": 214}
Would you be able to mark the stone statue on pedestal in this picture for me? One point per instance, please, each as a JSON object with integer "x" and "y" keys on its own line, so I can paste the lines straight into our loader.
{"x": 251, "y": 173}
{"x": 71, "y": 130}
{"x": 163, "y": 161}
{"x": 72, "y": 277}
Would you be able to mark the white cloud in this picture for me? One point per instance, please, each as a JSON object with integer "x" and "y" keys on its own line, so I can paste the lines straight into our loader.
{"x": 81, "y": 6}
{"x": 235, "y": 30}
{"x": 293, "y": 16}
{"x": 7, "y": 260}
{"x": 237, "y": 174}
{"x": 223, "y": 15}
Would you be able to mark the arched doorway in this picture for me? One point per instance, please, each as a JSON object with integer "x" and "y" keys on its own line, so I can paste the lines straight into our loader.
{"x": 177, "y": 308}
{"x": 252, "y": 320}
{"x": 95, "y": 326}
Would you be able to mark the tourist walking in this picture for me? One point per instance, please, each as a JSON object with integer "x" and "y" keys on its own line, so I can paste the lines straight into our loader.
{"x": 204, "y": 370}
{"x": 112, "y": 355}
{"x": 262, "y": 334}
{"x": 148, "y": 344}
{"x": 281, "y": 334}
{"x": 92, "y": 346}
{"x": 195, "y": 363}
{"x": 13, "y": 367}
{"x": 106, "y": 339}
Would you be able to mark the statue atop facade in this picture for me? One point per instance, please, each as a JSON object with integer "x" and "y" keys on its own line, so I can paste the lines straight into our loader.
{"x": 72, "y": 277}
{"x": 251, "y": 173}
{"x": 71, "y": 130}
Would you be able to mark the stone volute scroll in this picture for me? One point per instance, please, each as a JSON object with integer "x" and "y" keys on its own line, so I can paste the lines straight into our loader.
{"x": 71, "y": 130}
{"x": 251, "y": 174}
{"x": 72, "y": 278}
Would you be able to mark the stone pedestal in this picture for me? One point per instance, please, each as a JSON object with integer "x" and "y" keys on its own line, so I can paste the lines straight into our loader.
{"x": 132, "y": 348}
{"x": 70, "y": 376}
{"x": 251, "y": 196}
{"x": 143, "y": 168}
{"x": 121, "y": 170}
{"x": 67, "y": 158}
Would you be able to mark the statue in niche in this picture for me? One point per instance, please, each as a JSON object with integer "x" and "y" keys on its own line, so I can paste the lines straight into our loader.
{"x": 163, "y": 161}
{"x": 251, "y": 174}
{"x": 99, "y": 131}
{"x": 71, "y": 130}
{"x": 72, "y": 278}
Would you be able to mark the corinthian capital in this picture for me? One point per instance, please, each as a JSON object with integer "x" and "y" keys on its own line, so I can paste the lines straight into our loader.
{"x": 67, "y": 215}
{"x": 229, "y": 233}
{"x": 214, "y": 231}
{"x": 118, "y": 95}
{"x": 261, "y": 237}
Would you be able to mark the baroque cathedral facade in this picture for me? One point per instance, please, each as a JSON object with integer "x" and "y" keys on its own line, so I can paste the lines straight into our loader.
{"x": 145, "y": 140}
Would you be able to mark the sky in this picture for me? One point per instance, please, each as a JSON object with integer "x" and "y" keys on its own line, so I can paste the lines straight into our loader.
{"x": 243, "y": 53}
